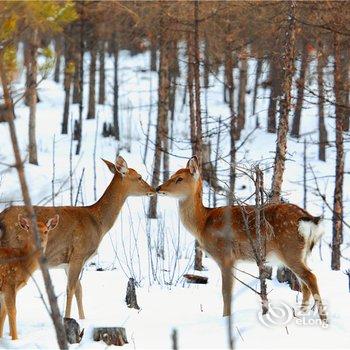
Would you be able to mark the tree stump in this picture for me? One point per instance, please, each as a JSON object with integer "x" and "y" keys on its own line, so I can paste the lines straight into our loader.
{"x": 111, "y": 335}
{"x": 72, "y": 328}
{"x": 130, "y": 298}
{"x": 196, "y": 279}
{"x": 108, "y": 130}
{"x": 286, "y": 275}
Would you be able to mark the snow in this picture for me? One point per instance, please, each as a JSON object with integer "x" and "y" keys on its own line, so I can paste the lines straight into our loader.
{"x": 132, "y": 247}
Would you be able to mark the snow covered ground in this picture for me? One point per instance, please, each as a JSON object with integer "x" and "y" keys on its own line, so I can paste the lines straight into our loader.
{"x": 130, "y": 248}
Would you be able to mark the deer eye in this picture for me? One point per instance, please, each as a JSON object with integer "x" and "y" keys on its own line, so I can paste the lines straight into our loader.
{"x": 179, "y": 179}
{"x": 139, "y": 177}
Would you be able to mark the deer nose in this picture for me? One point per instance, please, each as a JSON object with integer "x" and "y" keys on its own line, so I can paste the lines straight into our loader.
{"x": 158, "y": 189}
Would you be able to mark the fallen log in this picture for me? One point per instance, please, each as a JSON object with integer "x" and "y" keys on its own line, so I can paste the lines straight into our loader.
{"x": 190, "y": 278}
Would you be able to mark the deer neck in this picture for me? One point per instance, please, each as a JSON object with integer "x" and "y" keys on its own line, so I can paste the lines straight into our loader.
{"x": 107, "y": 208}
{"x": 192, "y": 211}
{"x": 30, "y": 258}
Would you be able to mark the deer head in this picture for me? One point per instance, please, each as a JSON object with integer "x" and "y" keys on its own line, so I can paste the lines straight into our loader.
{"x": 44, "y": 229}
{"x": 130, "y": 178}
{"x": 184, "y": 182}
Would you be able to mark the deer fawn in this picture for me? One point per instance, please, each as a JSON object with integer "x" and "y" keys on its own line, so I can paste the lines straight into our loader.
{"x": 222, "y": 232}
{"x": 81, "y": 229}
{"x": 16, "y": 266}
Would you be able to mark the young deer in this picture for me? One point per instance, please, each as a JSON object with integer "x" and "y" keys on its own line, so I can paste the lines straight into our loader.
{"x": 81, "y": 229}
{"x": 16, "y": 266}
{"x": 222, "y": 232}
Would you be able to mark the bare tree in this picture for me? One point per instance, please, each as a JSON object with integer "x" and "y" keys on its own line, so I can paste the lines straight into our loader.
{"x": 288, "y": 68}
{"x": 339, "y": 165}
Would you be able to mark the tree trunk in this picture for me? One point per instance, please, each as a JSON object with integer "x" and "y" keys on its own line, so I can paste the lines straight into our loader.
{"x": 241, "y": 95}
{"x": 92, "y": 84}
{"x": 32, "y": 97}
{"x": 116, "y": 90}
{"x": 295, "y": 132}
{"x": 323, "y": 138}
{"x": 76, "y": 78}
{"x": 259, "y": 64}
{"x": 68, "y": 75}
{"x": 196, "y": 72}
{"x": 102, "y": 75}
{"x": 345, "y": 65}
{"x": 274, "y": 96}
{"x": 162, "y": 119}
{"x": 233, "y": 121}
{"x": 153, "y": 59}
{"x": 58, "y": 52}
{"x": 339, "y": 165}
{"x": 288, "y": 65}
{"x": 190, "y": 92}
{"x": 55, "y": 312}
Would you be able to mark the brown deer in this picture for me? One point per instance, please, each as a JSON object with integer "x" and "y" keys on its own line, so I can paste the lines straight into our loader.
{"x": 81, "y": 229}
{"x": 17, "y": 265}
{"x": 290, "y": 232}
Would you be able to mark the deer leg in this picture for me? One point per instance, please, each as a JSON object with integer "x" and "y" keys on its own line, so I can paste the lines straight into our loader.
{"x": 227, "y": 284}
{"x": 2, "y": 317}
{"x": 310, "y": 280}
{"x": 10, "y": 300}
{"x": 78, "y": 297}
{"x": 306, "y": 296}
{"x": 73, "y": 276}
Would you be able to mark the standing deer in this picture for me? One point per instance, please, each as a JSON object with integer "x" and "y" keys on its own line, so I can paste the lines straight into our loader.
{"x": 17, "y": 265}
{"x": 81, "y": 228}
{"x": 222, "y": 232}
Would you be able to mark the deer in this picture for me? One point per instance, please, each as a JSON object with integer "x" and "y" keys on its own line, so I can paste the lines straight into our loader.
{"x": 290, "y": 233}
{"x": 16, "y": 267}
{"x": 81, "y": 228}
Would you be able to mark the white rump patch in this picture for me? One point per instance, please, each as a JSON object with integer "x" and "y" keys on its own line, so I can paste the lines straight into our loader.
{"x": 311, "y": 233}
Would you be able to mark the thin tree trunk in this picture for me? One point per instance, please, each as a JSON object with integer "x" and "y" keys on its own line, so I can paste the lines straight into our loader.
{"x": 76, "y": 78}
{"x": 281, "y": 146}
{"x": 32, "y": 81}
{"x": 81, "y": 78}
{"x": 259, "y": 64}
{"x": 345, "y": 65}
{"x": 55, "y": 312}
{"x": 92, "y": 84}
{"x": 241, "y": 95}
{"x": 339, "y": 165}
{"x": 190, "y": 92}
{"x": 68, "y": 75}
{"x": 153, "y": 60}
{"x": 197, "y": 91}
{"x": 295, "y": 132}
{"x": 116, "y": 90}
{"x": 102, "y": 75}
{"x": 233, "y": 121}
{"x": 58, "y": 52}
{"x": 162, "y": 119}
{"x": 274, "y": 96}
{"x": 323, "y": 138}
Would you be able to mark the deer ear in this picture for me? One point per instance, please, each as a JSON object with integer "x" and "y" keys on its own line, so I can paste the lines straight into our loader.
{"x": 23, "y": 222}
{"x": 193, "y": 166}
{"x": 121, "y": 166}
{"x": 53, "y": 222}
{"x": 110, "y": 165}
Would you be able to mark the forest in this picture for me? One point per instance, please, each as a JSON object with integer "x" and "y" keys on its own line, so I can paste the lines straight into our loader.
{"x": 174, "y": 174}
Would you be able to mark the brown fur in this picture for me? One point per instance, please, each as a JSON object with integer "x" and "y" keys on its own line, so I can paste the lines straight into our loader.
{"x": 222, "y": 231}
{"x": 81, "y": 229}
{"x": 16, "y": 266}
